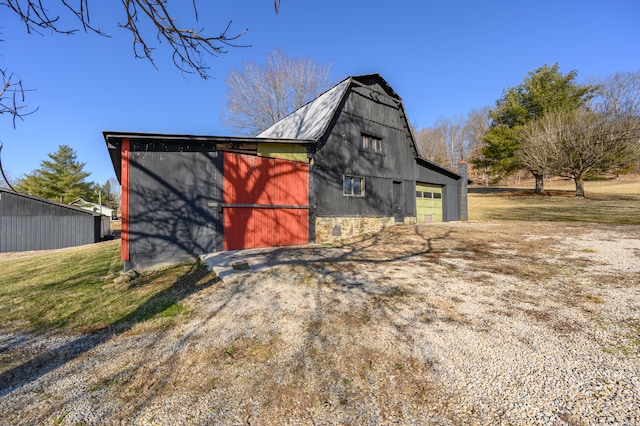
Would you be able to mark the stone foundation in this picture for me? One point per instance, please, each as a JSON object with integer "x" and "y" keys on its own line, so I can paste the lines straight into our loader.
{"x": 330, "y": 229}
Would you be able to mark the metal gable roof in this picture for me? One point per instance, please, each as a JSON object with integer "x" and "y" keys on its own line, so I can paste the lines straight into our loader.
{"x": 311, "y": 120}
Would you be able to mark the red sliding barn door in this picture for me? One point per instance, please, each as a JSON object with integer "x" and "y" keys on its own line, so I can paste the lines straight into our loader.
{"x": 266, "y": 202}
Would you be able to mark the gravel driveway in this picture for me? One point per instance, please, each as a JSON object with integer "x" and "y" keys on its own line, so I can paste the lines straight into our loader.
{"x": 458, "y": 323}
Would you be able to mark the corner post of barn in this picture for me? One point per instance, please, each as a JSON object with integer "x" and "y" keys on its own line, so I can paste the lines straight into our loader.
{"x": 124, "y": 236}
{"x": 464, "y": 209}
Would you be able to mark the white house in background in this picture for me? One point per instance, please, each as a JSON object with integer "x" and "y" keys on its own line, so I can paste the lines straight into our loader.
{"x": 95, "y": 207}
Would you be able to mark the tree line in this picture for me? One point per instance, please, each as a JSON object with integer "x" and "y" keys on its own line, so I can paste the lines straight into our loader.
{"x": 62, "y": 178}
{"x": 548, "y": 125}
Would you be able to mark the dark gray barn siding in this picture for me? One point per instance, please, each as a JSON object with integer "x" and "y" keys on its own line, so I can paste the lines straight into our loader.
{"x": 373, "y": 113}
{"x": 30, "y": 223}
{"x": 173, "y": 204}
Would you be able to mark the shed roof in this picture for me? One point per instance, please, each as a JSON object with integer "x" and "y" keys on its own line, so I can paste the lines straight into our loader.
{"x": 44, "y": 200}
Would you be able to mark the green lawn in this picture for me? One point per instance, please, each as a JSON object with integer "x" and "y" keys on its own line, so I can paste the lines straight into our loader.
{"x": 73, "y": 290}
{"x": 608, "y": 202}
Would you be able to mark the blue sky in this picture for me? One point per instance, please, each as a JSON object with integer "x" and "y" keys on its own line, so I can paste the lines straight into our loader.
{"x": 444, "y": 58}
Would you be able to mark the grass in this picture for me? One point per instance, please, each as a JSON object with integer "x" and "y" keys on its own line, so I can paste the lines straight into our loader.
{"x": 73, "y": 291}
{"x": 607, "y": 202}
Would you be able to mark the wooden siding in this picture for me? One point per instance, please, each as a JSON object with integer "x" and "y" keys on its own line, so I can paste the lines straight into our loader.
{"x": 283, "y": 151}
{"x": 365, "y": 111}
{"x": 174, "y": 193}
{"x": 28, "y": 223}
{"x": 265, "y": 202}
{"x": 251, "y": 227}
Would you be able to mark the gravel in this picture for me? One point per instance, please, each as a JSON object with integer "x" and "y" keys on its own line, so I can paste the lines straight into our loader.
{"x": 459, "y": 323}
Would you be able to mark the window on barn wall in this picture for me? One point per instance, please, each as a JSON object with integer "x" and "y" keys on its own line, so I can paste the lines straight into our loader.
{"x": 371, "y": 143}
{"x": 353, "y": 186}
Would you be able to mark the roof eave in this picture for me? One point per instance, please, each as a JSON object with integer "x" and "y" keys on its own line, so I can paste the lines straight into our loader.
{"x": 45, "y": 200}
{"x": 113, "y": 139}
{"x": 438, "y": 168}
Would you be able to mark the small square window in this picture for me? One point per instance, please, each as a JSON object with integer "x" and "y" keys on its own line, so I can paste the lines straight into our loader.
{"x": 353, "y": 186}
{"x": 371, "y": 143}
{"x": 418, "y": 194}
{"x": 437, "y": 195}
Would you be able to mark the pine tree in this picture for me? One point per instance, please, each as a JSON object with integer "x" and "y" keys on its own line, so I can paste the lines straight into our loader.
{"x": 61, "y": 178}
{"x": 544, "y": 90}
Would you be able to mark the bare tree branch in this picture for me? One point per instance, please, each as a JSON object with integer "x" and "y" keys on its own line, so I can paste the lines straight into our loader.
{"x": 4, "y": 176}
{"x": 36, "y": 17}
{"x": 189, "y": 45}
{"x": 12, "y": 97}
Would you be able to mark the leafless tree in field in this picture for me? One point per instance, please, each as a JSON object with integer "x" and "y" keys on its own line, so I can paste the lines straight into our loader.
{"x": 260, "y": 95}
{"x": 581, "y": 142}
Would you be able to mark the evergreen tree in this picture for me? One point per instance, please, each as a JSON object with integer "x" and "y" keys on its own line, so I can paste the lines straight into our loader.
{"x": 544, "y": 90}
{"x": 61, "y": 178}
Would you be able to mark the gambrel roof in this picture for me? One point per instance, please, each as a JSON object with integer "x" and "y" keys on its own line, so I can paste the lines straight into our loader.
{"x": 312, "y": 120}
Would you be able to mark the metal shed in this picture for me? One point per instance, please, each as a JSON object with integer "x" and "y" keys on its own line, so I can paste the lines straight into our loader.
{"x": 33, "y": 223}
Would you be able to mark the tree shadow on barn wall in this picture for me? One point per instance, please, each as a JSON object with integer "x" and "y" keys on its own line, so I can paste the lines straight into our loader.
{"x": 196, "y": 279}
{"x": 174, "y": 206}
{"x": 265, "y": 202}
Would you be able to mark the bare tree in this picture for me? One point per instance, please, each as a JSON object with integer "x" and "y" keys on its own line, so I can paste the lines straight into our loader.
{"x": 476, "y": 124}
{"x": 444, "y": 143}
{"x": 189, "y": 44}
{"x": 260, "y": 95}
{"x": 432, "y": 145}
{"x": 580, "y": 142}
{"x": 12, "y": 97}
{"x": 619, "y": 94}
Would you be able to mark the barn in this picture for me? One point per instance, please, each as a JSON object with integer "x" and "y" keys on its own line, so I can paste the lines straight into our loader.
{"x": 33, "y": 223}
{"x": 344, "y": 164}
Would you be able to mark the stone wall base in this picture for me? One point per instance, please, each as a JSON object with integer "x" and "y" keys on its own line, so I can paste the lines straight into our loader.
{"x": 330, "y": 229}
